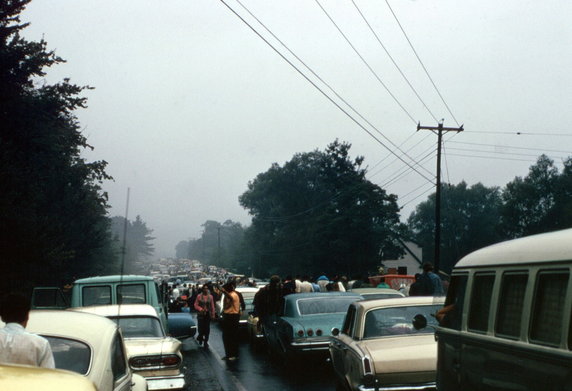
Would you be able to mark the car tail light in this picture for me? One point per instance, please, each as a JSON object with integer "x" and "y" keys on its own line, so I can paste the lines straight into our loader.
{"x": 171, "y": 360}
{"x": 300, "y": 333}
{"x": 145, "y": 362}
{"x": 319, "y": 332}
{"x": 310, "y": 332}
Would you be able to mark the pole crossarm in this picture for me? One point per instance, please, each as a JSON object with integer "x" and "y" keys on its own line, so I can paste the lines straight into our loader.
{"x": 440, "y": 127}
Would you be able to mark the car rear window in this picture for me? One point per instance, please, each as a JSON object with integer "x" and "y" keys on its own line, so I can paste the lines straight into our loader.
{"x": 324, "y": 305}
{"x": 139, "y": 327}
{"x": 131, "y": 294}
{"x": 70, "y": 354}
{"x": 398, "y": 321}
{"x": 96, "y": 295}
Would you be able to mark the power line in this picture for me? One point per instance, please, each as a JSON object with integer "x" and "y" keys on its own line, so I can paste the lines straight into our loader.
{"x": 489, "y": 157}
{"x": 493, "y": 152}
{"x": 403, "y": 172}
{"x": 395, "y": 160}
{"x": 421, "y": 62}
{"x": 322, "y": 91}
{"x": 393, "y": 61}
{"x": 510, "y": 147}
{"x": 519, "y": 133}
{"x": 413, "y": 199}
{"x": 327, "y": 84}
{"x": 365, "y": 62}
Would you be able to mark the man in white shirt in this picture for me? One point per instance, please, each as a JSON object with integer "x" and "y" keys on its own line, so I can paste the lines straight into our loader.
{"x": 17, "y": 346}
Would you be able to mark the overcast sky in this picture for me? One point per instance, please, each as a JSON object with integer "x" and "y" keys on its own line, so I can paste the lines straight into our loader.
{"x": 190, "y": 104}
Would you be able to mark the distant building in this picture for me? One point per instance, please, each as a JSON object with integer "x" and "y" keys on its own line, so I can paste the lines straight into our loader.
{"x": 410, "y": 263}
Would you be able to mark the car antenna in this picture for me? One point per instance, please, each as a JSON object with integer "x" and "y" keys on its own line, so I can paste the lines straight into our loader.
{"x": 123, "y": 251}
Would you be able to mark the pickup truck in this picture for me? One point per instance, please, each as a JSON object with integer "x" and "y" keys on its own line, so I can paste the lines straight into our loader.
{"x": 116, "y": 289}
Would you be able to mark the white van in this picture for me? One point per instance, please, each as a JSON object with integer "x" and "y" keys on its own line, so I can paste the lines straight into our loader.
{"x": 509, "y": 320}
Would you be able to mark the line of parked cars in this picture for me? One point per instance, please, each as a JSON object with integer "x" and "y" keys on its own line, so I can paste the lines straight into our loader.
{"x": 375, "y": 338}
{"x": 116, "y": 333}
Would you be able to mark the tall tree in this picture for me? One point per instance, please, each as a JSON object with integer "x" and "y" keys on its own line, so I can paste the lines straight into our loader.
{"x": 318, "y": 213}
{"x": 53, "y": 210}
{"x": 138, "y": 242}
{"x": 469, "y": 220}
{"x": 220, "y": 244}
{"x": 539, "y": 202}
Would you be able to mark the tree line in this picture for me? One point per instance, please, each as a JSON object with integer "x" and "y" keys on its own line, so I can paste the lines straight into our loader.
{"x": 54, "y": 223}
{"x": 319, "y": 214}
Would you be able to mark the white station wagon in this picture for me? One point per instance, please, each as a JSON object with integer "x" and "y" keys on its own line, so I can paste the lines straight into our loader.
{"x": 151, "y": 353}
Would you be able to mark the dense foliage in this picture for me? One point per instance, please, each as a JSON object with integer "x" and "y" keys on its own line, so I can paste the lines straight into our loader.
{"x": 52, "y": 207}
{"x": 469, "y": 220}
{"x": 476, "y": 216}
{"x": 137, "y": 242}
{"x": 319, "y": 214}
{"x": 220, "y": 244}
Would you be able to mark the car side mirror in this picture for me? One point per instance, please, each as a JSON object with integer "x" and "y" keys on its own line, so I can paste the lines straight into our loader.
{"x": 335, "y": 331}
{"x": 419, "y": 322}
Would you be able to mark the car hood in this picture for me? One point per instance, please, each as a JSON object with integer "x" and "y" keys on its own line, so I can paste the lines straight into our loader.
{"x": 414, "y": 353}
{"x": 151, "y": 346}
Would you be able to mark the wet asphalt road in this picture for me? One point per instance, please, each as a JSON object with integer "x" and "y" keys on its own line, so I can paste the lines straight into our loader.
{"x": 206, "y": 371}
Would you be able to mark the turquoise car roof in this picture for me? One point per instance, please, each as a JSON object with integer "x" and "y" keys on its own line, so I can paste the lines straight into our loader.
{"x": 114, "y": 278}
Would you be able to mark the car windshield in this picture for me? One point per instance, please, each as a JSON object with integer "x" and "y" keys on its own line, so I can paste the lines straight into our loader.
{"x": 248, "y": 297}
{"x": 70, "y": 354}
{"x": 322, "y": 305}
{"x": 140, "y": 326}
{"x": 398, "y": 321}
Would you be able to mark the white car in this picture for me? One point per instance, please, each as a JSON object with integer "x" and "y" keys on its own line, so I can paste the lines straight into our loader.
{"x": 23, "y": 377}
{"x": 151, "y": 353}
{"x": 87, "y": 344}
{"x": 247, "y": 293}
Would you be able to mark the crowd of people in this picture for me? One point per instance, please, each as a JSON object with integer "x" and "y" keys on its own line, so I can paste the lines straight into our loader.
{"x": 20, "y": 347}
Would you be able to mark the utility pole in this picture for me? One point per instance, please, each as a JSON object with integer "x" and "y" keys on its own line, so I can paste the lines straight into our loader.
{"x": 439, "y": 129}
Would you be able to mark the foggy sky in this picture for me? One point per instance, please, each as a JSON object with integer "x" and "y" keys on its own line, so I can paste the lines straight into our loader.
{"x": 189, "y": 104}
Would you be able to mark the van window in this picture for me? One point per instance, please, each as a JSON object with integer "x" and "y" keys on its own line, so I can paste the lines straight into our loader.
{"x": 481, "y": 301}
{"x": 548, "y": 313}
{"x": 509, "y": 316}
{"x": 455, "y": 301}
{"x": 96, "y": 295}
{"x": 131, "y": 294}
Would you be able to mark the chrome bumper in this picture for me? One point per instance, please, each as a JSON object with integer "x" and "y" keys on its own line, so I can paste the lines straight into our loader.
{"x": 310, "y": 346}
{"x": 165, "y": 382}
{"x": 422, "y": 387}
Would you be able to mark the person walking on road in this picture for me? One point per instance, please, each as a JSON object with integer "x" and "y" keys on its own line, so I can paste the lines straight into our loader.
{"x": 204, "y": 305}
{"x": 230, "y": 321}
{"x": 429, "y": 283}
{"x": 17, "y": 346}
